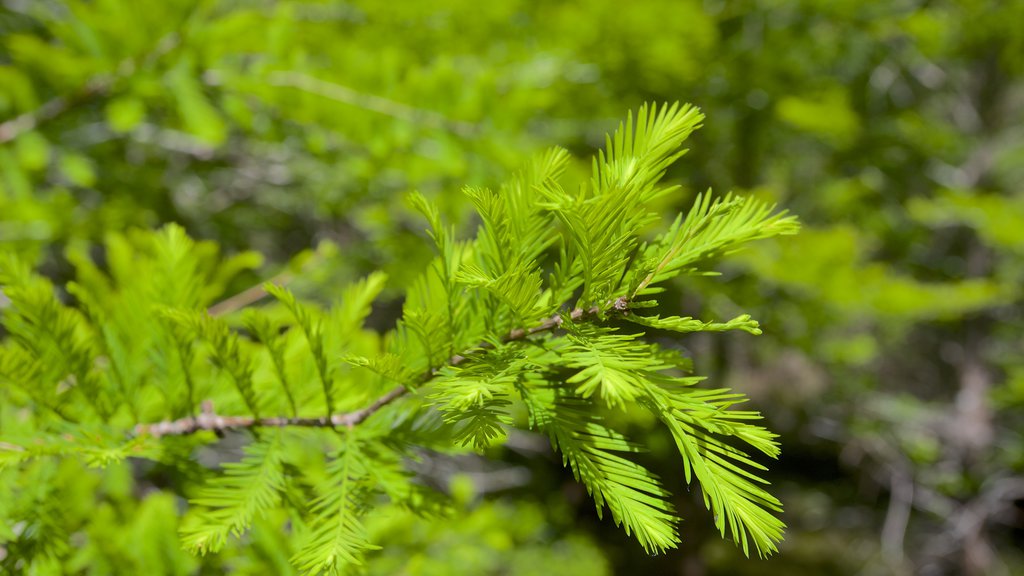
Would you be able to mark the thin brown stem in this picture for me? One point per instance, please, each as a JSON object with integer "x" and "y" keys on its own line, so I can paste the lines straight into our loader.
{"x": 208, "y": 420}
{"x": 246, "y": 297}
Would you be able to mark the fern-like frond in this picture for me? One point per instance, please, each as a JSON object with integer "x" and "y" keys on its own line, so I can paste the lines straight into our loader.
{"x": 356, "y": 303}
{"x": 337, "y": 537}
{"x": 637, "y": 155}
{"x": 178, "y": 346}
{"x": 518, "y": 287}
{"x": 602, "y": 225}
{"x": 610, "y": 365}
{"x": 93, "y": 447}
{"x": 515, "y": 227}
{"x": 226, "y": 350}
{"x": 177, "y": 280}
{"x": 20, "y": 375}
{"x": 267, "y": 332}
{"x": 389, "y": 366}
{"x": 634, "y": 496}
{"x": 426, "y": 340}
{"x": 679, "y": 324}
{"x": 475, "y": 398}
{"x": 43, "y": 536}
{"x": 711, "y": 228}
{"x": 56, "y": 337}
{"x": 697, "y": 419}
{"x": 232, "y": 500}
{"x": 310, "y": 322}
{"x": 434, "y": 298}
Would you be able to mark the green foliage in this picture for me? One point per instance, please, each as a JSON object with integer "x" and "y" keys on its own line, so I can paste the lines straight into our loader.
{"x": 602, "y": 221}
{"x": 626, "y": 371}
{"x": 482, "y": 338}
{"x": 475, "y": 398}
{"x": 890, "y": 362}
{"x": 310, "y": 324}
{"x": 712, "y": 227}
{"x": 684, "y": 325}
{"x": 493, "y": 537}
{"x": 234, "y": 499}
{"x": 337, "y": 538}
{"x": 730, "y": 491}
{"x": 633, "y": 495}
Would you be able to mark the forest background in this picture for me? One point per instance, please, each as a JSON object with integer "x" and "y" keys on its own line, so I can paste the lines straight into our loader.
{"x": 290, "y": 132}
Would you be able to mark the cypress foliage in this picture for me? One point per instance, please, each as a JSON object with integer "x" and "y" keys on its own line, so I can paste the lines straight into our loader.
{"x": 537, "y": 322}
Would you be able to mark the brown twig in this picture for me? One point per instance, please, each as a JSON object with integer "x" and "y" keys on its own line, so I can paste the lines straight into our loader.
{"x": 246, "y": 297}
{"x": 208, "y": 420}
{"x": 897, "y": 517}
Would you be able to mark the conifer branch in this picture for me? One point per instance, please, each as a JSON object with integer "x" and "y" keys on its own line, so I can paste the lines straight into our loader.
{"x": 210, "y": 421}
{"x": 459, "y": 347}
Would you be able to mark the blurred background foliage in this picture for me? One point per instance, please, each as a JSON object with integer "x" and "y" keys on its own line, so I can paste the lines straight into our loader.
{"x": 892, "y": 361}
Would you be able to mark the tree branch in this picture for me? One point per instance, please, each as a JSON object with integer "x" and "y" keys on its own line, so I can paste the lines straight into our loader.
{"x": 18, "y": 125}
{"x": 246, "y": 297}
{"x": 372, "y": 102}
{"x": 208, "y": 420}
{"x": 97, "y": 86}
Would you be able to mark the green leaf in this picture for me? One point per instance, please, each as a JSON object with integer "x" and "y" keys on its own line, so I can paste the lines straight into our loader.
{"x": 78, "y": 169}
{"x": 515, "y": 226}
{"x": 687, "y": 324}
{"x": 601, "y": 224}
{"x": 356, "y": 304}
{"x": 268, "y": 332}
{"x": 230, "y": 502}
{"x": 388, "y": 365}
{"x": 337, "y": 537}
{"x": 711, "y": 228}
{"x": 198, "y": 114}
{"x": 53, "y": 343}
{"x": 125, "y": 113}
{"x": 226, "y": 350}
{"x": 634, "y": 496}
{"x": 474, "y": 397}
{"x": 519, "y": 288}
{"x": 735, "y": 495}
{"x": 32, "y": 151}
{"x": 610, "y": 365}
{"x": 311, "y": 325}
